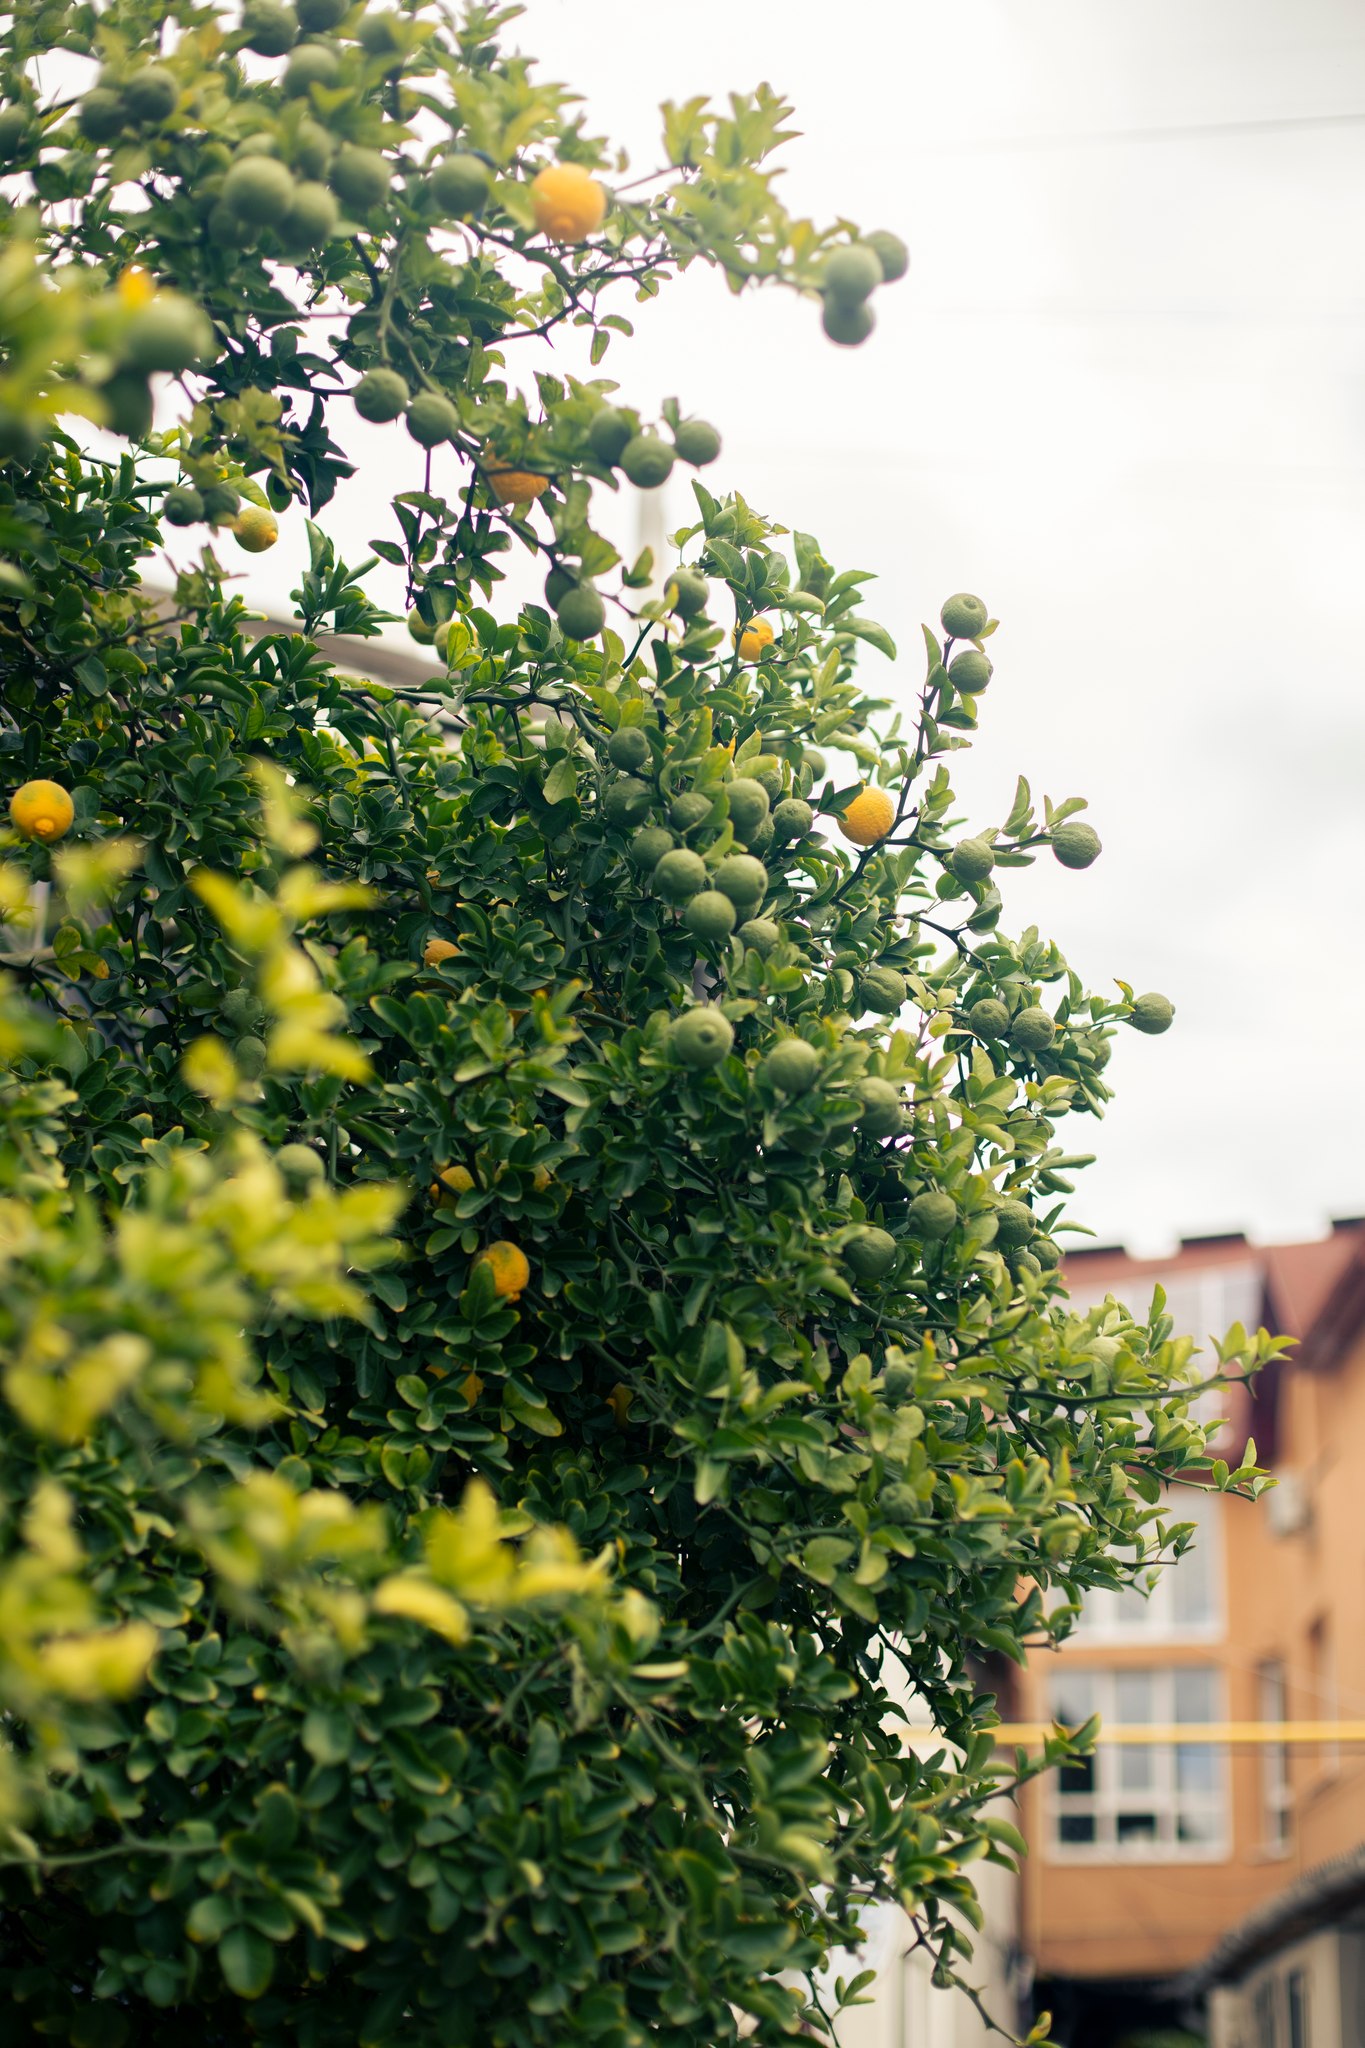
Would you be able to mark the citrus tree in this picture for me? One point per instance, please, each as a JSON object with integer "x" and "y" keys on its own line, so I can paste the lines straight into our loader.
{"x": 529, "y": 1201}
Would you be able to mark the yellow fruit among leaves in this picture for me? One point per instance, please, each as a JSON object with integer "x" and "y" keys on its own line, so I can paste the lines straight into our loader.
{"x": 255, "y": 529}
{"x": 437, "y": 950}
{"x": 754, "y": 639}
{"x": 451, "y": 1180}
{"x": 136, "y": 287}
{"x": 509, "y": 1265}
{"x": 868, "y": 818}
{"x": 42, "y": 810}
{"x": 513, "y": 486}
{"x": 568, "y": 202}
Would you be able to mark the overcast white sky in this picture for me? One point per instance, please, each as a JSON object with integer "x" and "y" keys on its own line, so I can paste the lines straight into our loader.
{"x": 1121, "y": 395}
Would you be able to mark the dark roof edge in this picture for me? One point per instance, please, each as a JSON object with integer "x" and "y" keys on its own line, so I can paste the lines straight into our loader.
{"x": 1329, "y": 1890}
{"x": 1337, "y": 1321}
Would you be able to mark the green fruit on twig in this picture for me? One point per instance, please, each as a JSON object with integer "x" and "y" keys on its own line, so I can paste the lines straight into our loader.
{"x": 988, "y": 1018}
{"x": 748, "y": 801}
{"x": 760, "y": 933}
{"x": 882, "y": 1113}
{"x": 432, "y": 419}
{"x": 300, "y": 1163}
{"x": 1076, "y": 844}
{"x": 743, "y": 879}
{"x": 182, "y": 505}
{"x": 559, "y": 580}
{"x": 609, "y": 435}
{"x": 461, "y": 186}
{"x": 696, "y": 442}
{"x": 317, "y": 16}
{"x": 16, "y": 124}
{"x": 313, "y": 149}
{"x": 766, "y": 771}
{"x": 380, "y": 34}
{"x": 242, "y": 1010}
{"x": 421, "y": 632}
{"x": 629, "y": 748}
{"x": 710, "y": 915}
{"x": 151, "y": 94}
{"x": 679, "y": 875}
{"x": 381, "y": 395}
{"x": 310, "y": 64}
{"x": 891, "y": 254}
{"x": 793, "y": 818}
{"x": 646, "y": 460}
{"x": 258, "y": 189}
{"x": 221, "y": 502}
{"x": 899, "y": 1503}
{"x": 883, "y": 990}
{"x": 269, "y": 29}
{"x": 812, "y": 758}
{"x": 701, "y": 1038}
{"x": 312, "y": 219}
{"x": 1032, "y": 1030}
{"x": 361, "y": 178}
{"x": 687, "y": 593}
{"x": 932, "y": 1215}
{"x": 847, "y": 324}
{"x": 964, "y": 616}
{"x": 1025, "y": 1266}
{"x": 1047, "y": 1253}
{"x": 1014, "y": 1225}
{"x": 791, "y": 1066}
{"x": 688, "y": 810}
{"x": 649, "y": 846}
{"x": 971, "y": 860}
{"x": 250, "y": 1055}
{"x": 851, "y": 275}
{"x": 582, "y": 615}
{"x": 970, "y": 671}
{"x": 626, "y": 801}
{"x": 101, "y": 115}
{"x": 168, "y": 333}
{"x": 1151, "y": 1013}
{"x": 870, "y": 1252}
{"x": 127, "y": 401}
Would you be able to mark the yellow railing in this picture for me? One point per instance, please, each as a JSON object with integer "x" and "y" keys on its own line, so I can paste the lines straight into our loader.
{"x": 1032, "y": 1734}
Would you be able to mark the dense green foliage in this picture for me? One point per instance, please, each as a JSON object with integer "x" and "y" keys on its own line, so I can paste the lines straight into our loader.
{"x": 400, "y": 1644}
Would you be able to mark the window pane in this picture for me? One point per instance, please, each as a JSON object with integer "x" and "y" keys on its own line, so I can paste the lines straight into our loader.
{"x": 1191, "y": 1585}
{"x": 1078, "y": 1775}
{"x": 1133, "y": 1696}
{"x": 1198, "y": 1825}
{"x": 1195, "y": 1690}
{"x": 1297, "y": 1990}
{"x": 1196, "y": 1768}
{"x": 1136, "y": 1827}
{"x": 1137, "y": 1769}
{"x": 1073, "y": 1698}
{"x": 1076, "y": 1827}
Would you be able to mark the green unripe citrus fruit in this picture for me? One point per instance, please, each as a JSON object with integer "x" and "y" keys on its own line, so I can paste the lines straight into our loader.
{"x": 899, "y": 1503}
{"x": 1076, "y": 844}
{"x": 221, "y": 502}
{"x": 582, "y": 615}
{"x": 317, "y": 16}
{"x": 609, "y": 436}
{"x": 300, "y": 1162}
{"x": 871, "y": 1252}
{"x": 15, "y": 125}
{"x": 851, "y": 275}
{"x": 461, "y": 185}
{"x": 269, "y": 29}
{"x": 971, "y": 860}
{"x": 228, "y": 230}
{"x": 791, "y": 1066}
{"x": 1032, "y": 1030}
{"x": 882, "y": 990}
{"x": 710, "y": 915}
{"x": 250, "y": 1056}
{"x": 310, "y": 64}
{"x": 696, "y": 442}
{"x": 988, "y": 1018}
{"x": 761, "y": 838}
{"x": 151, "y": 94}
{"x": 748, "y": 801}
{"x": 766, "y": 771}
{"x": 128, "y": 404}
{"x": 1047, "y": 1253}
{"x": 629, "y": 748}
{"x": 649, "y": 846}
{"x": 687, "y": 593}
{"x": 793, "y": 818}
{"x": 812, "y": 758}
{"x": 182, "y": 505}
{"x": 970, "y": 671}
{"x": 381, "y": 395}
{"x": 1025, "y": 1266}
{"x": 847, "y": 324}
{"x": 647, "y": 461}
{"x": 421, "y": 632}
{"x": 627, "y": 800}
{"x": 679, "y": 875}
{"x": 1152, "y": 1013}
{"x": 964, "y": 616}
{"x": 701, "y": 1037}
{"x": 258, "y": 189}
{"x": 242, "y": 1010}
{"x": 168, "y": 333}
{"x": 1014, "y": 1225}
{"x": 743, "y": 879}
{"x": 432, "y": 419}
{"x": 557, "y": 583}
{"x": 312, "y": 218}
{"x": 379, "y": 34}
{"x": 360, "y": 178}
{"x": 882, "y": 1115}
{"x": 313, "y": 150}
{"x": 688, "y": 810}
{"x": 760, "y": 933}
{"x": 932, "y": 1215}
{"x": 102, "y": 115}
{"x": 891, "y": 254}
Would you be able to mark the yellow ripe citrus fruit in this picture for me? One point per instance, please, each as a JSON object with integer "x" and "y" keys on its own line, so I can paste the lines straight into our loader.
{"x": 437, "y": 950}
{"x": 541, "y": 1179}
{"x": 509, "y": 1266}
{"x": 753, "y": 639}
{"x": 136, "y": 286}
{"x": 471, "y": 1386}
{"x": 255, "y": 529}
{"x": 868, "y": 818}
{"x": 452, "y": 1180}
{"x": 619, "y": 1400}
{"x": 568, "y": 203}
{"x": 42, "y": 810}
{"x": 513, "y": 486}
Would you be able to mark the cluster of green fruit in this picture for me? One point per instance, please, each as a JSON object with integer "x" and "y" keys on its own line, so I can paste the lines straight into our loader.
{"x": 849, "y": 278}
{"x": 144, "y": 98}
{"x": 617, "y": 441}
{"x": 271, "y": 29}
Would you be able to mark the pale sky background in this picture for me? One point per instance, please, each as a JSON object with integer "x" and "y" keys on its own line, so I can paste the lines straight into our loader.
{"x": 1122, "y": 396}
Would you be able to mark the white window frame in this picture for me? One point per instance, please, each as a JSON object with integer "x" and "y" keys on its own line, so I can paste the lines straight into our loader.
{"x": 1102, "y": 1625}
{"x": 1277, "y": 1791}
{"x": 1110, "y": 1798}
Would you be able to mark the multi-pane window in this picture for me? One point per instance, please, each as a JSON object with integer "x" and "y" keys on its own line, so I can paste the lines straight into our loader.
{"x": 1157, "y": 1801}
{"x": 1186, "y": 1602}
